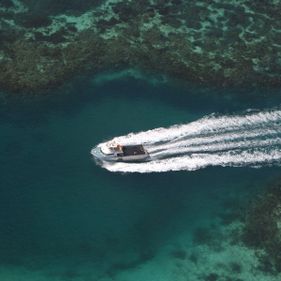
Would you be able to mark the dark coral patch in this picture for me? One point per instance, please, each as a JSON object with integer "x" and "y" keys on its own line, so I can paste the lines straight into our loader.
{"x": 53, "y": 7}
{"x": 172, "y": 21}
{"x": 35, "y": 21}
{"x": 71, "y": 28}
{"x": 202, "y": 235}
{"x": 58, "y": 36}
{"x": 212, "y": 277}
{"x": 7, "y": 37}
{"x": 235, "y": 267}
{"x": 179, "y": 254}
{"x": 104, "y": 24}
{"x": 125, "y": 11}
{"x": 176, "y": 2}
{"x": 38, "y": 36}
{"x": 7, "y": 4}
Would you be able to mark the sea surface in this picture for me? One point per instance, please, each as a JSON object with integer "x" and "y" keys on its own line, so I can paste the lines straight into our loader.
{"x": 63, "y": 217}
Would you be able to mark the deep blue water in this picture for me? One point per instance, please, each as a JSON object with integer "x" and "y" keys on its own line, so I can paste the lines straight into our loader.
{"x": 60, "y": 210}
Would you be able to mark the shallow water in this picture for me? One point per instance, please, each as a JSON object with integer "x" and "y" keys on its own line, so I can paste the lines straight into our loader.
{"x": 65, "y": 218}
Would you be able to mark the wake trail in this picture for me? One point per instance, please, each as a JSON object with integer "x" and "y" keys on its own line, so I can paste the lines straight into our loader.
{"x": 251, "y": 139}
{"x": 208, "y": 139}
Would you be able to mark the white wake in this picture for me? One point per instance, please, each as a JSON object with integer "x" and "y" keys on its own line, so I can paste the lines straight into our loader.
{"x": 252, "y": 139}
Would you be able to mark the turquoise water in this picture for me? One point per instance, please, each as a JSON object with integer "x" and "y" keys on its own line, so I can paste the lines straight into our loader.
{"x": 65, "y": 218}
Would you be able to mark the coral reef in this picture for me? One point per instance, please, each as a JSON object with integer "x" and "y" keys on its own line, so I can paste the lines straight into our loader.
{"x": 212, "y": 42}
{"x": 263, "y": 228}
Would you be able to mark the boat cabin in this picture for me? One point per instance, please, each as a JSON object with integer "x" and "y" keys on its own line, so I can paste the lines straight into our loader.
{"x": 130, "y": 150}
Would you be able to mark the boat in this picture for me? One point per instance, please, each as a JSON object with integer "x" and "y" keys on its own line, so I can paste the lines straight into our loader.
{"x": 114, "y": 152}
